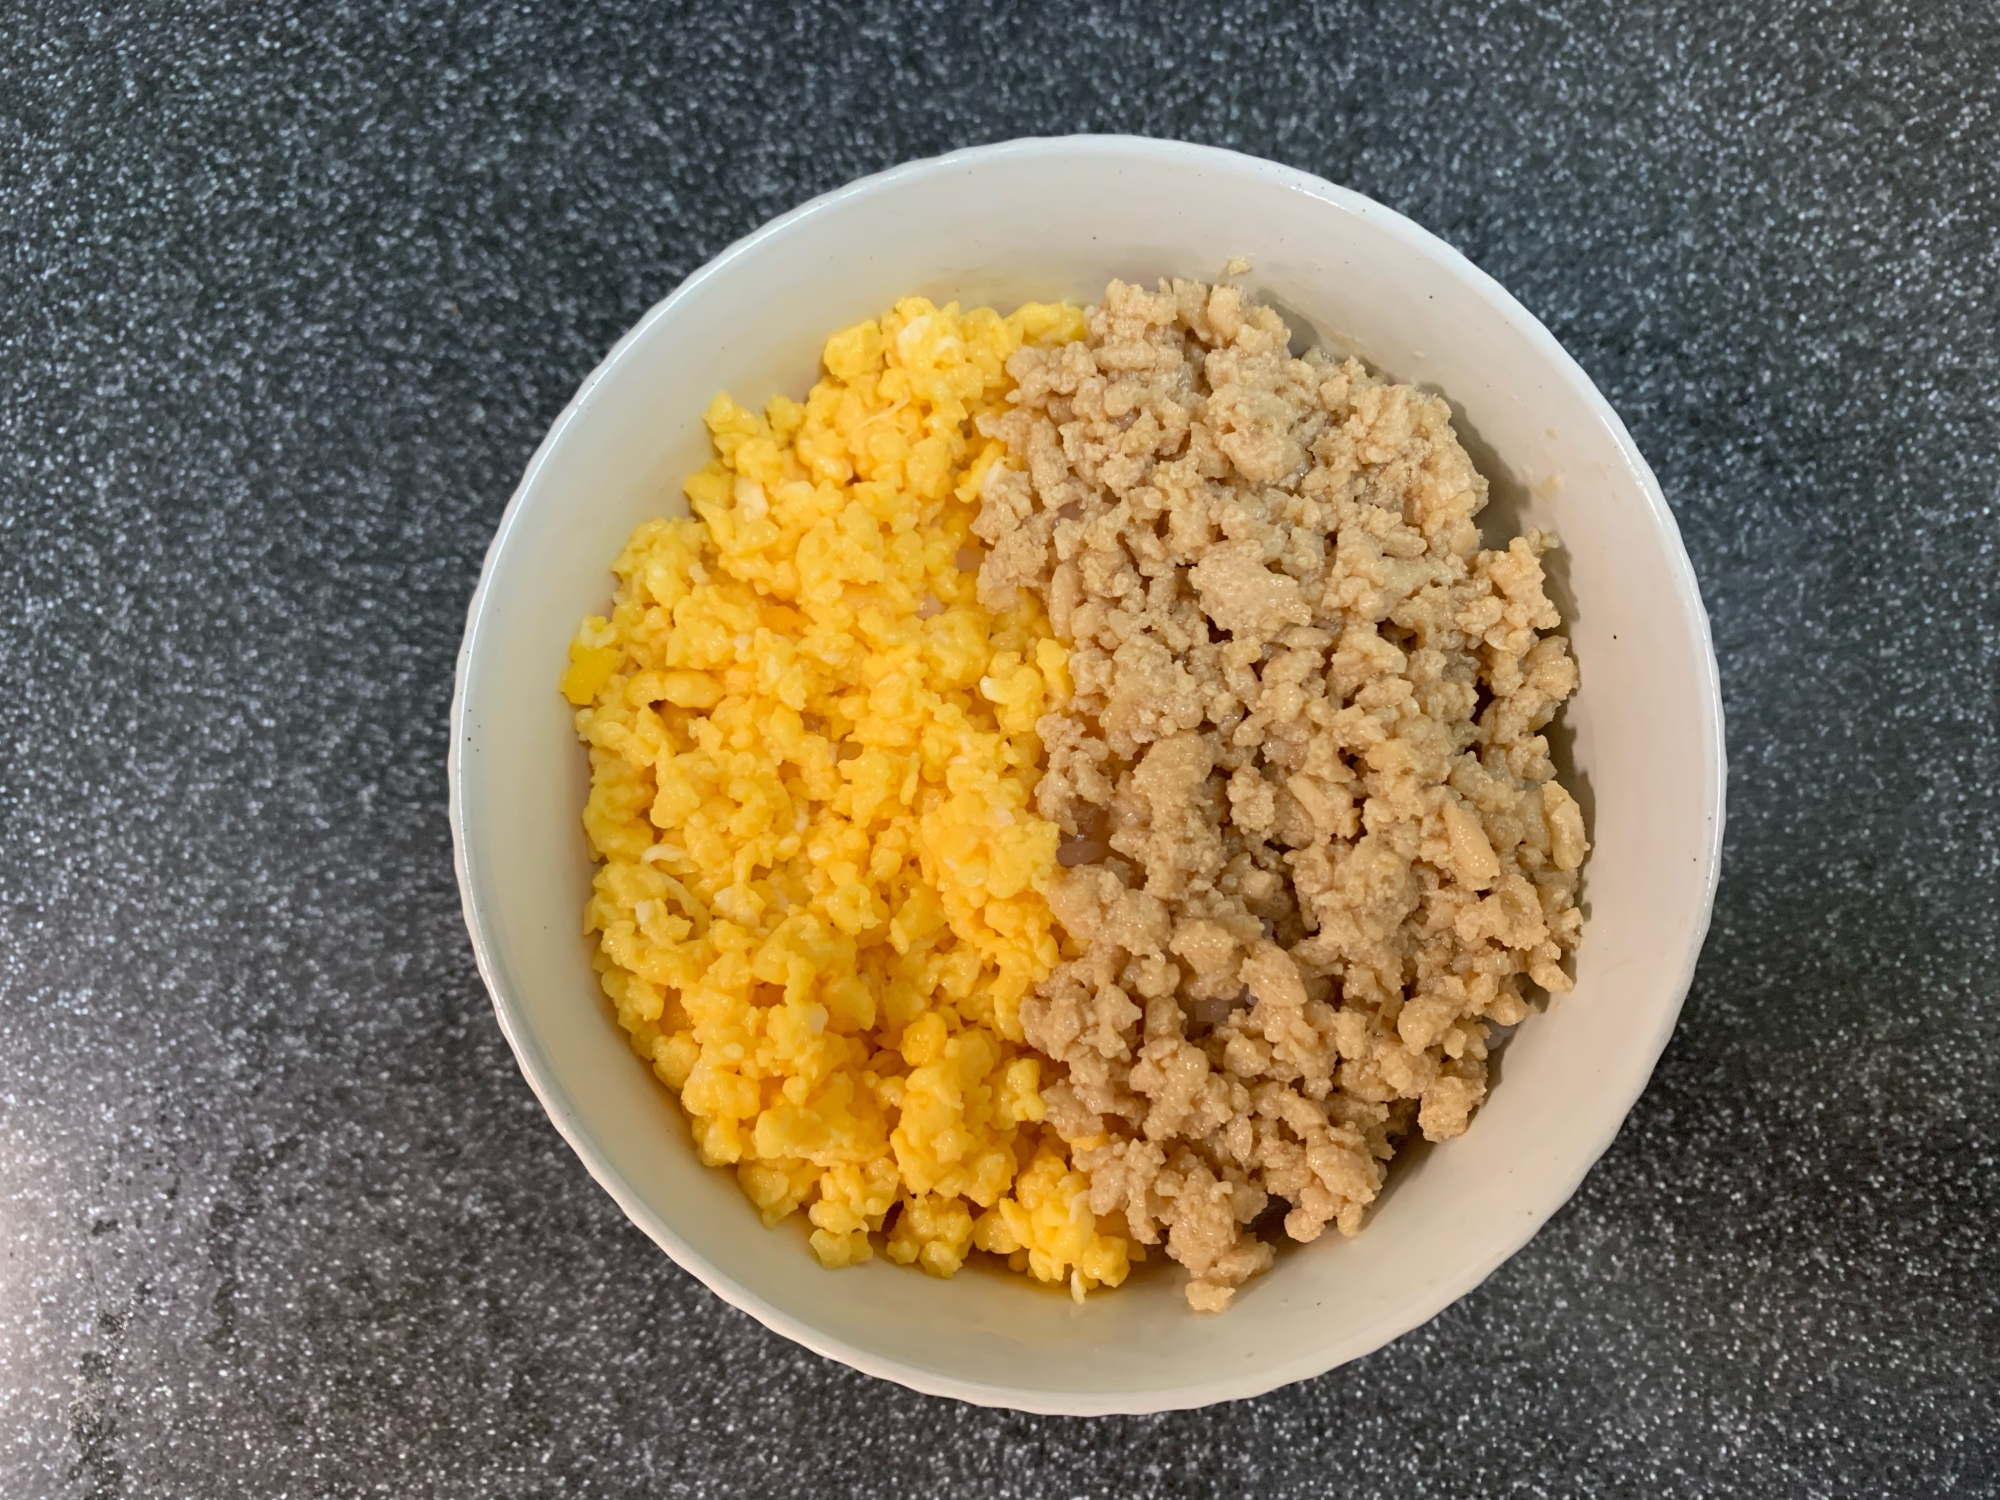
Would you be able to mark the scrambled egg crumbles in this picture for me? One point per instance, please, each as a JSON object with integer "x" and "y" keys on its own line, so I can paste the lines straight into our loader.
{"x": 821, "y": 903}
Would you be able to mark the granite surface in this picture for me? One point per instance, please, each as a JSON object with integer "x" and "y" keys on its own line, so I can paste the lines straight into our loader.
{"x": 291, "y": 291}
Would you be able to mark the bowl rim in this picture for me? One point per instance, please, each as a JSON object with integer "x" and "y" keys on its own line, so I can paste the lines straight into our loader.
{"x": 1639, "y": 1062}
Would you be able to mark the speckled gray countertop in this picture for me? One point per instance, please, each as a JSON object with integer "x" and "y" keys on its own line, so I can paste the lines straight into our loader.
{"x": 290, "y": 294}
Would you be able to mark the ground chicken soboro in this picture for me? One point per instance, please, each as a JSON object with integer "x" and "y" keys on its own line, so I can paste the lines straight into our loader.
{"x": 1318, "y": 846}
{"x": 812, "y": 753}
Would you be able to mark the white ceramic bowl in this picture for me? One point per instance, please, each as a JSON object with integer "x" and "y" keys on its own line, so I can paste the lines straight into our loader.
{"x": 1044, "y": 219}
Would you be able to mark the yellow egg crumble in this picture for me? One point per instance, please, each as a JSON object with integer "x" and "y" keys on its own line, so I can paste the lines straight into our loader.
{"x": 812, "y": 751}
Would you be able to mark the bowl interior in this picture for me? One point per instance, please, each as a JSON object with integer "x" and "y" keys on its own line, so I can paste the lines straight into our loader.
{"x": 1049, "y": 220}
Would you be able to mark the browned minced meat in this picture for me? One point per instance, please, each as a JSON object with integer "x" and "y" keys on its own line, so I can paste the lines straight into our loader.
{"x": 1317, "y": 846}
